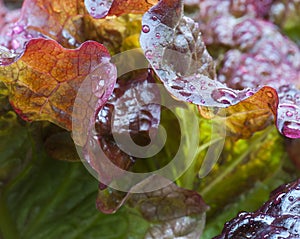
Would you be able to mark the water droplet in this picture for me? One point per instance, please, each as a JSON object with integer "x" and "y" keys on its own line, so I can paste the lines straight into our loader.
{"x": 249, "y": 93}
{"x": 145, "y": 28}
{"x": 203, "y": 88}
{"x": 17, "y": 29}
{"x": 291, "y": 198}
{"x": 145, "y": 125}
{"x": 278, "y": 199}
{"x": 93, "y": 9}
{"x": 241, "y": 214}
{"x": 269, "y": 94}
{"x": 284, "y": 88}
{"x": 149, "y": 54}
{"x": 157, "y": 35}
{"x": 289, "y": 114}
{"x": 289, "y": 106}
{"x": 154, "y": 18}
{"x": 291, "y": 129}
{"x": 224, "y": 96}
{"x": 289, "y": 97}
{"x": 192, "y": 88}
{"x": 28, "y": 36}
{"x": 185, "y": 94}
{"x": 15, "y": 44}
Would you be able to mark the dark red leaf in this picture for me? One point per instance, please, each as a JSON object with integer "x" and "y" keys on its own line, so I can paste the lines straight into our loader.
{"x": 173, "y": 45}
{"x": 131, "y": 115}
{"x": 44, "y": 82}
{"x": 172, "y": 211}
{"x": 277, "y": 218}
{"x": 293, "y": 149}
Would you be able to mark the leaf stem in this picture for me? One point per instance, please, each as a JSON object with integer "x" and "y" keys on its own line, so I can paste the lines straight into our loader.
{"x": 187, "y": 179}
{"x": 231, "y": 167}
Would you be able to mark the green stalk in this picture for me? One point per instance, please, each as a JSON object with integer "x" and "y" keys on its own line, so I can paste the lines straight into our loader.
{"x": 234, "y": 164}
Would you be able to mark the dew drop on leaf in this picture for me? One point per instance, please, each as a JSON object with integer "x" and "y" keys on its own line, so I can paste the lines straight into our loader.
{"x": 15, "y": 44}
{"x": 269, "y": 94}
{"x": 18, "y": 29}
{"x": 154, "y": 18}
{"x": 291, "y": 198}
{"x": 149, "y": 54}
{"x": 146, "y": 28}
{"x": 224, "y": 96}
{"x": 289, "y": 114}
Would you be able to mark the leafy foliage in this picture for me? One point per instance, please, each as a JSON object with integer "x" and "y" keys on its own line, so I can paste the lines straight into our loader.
{"x": 103, "y": 8}
{"x": 136, "y": 119}
{"x": 43, "y": 84}
{"x": 277, "y": 217}
{"x": 231, "y": 63}
{"x": 259, "y": 55}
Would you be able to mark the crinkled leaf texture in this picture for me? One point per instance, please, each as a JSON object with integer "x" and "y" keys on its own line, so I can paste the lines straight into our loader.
{"x": 67, "y": 22}
{"x": 131, "y": 115}
{"x": 103, "y": 8}
{"x": 171, "y": 212}
{"x": 277, "y": 218}
{"x": 260, "y": 55}
{"x": 59, "y": 20}
{"x": 43, "y": 83}
{"x": 173, "y": 45}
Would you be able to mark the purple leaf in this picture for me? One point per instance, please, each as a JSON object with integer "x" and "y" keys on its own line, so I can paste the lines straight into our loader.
{"x": 171, "y": 211}
{"x": 131, "y": 115}
{"x": 173, "y": 45}
{"x": 277, "y": 218}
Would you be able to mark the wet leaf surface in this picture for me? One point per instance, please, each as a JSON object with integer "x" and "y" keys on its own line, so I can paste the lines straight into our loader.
{"x": 60, "y": 21}
{"x": 131, "y": 115}
{"x": 66, "y": 22}
{"x": 43, "y": 84}
{"x": 168, "y": 35}
{"x": 171, "y": 212}
{"x": 103, "y": 8}
{"x": 279, "y": 217}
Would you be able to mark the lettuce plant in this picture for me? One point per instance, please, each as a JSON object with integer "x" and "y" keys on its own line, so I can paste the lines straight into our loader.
{"x": 221, "y": 77}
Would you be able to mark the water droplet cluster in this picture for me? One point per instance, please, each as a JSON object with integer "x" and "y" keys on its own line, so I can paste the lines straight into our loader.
{"x": 277, "y": 218}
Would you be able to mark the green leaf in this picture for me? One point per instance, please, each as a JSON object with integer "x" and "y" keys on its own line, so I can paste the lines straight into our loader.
{"x": 42, "y": 198}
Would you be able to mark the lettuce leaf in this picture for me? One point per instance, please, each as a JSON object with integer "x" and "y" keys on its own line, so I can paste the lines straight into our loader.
{"x": 103, "y": 8}
{"x": 43, "y": 84}
{"x": 172, "y": 212}
{"x": 168, "y": 35}
{"x": 240, "y": 72}
{"x": 278, "y": 217}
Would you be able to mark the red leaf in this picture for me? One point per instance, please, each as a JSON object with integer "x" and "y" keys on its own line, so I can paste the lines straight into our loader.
{"x": 173, "y": 45}
{"x": 44, "y": 82}
{"x": 103, "y": 8}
